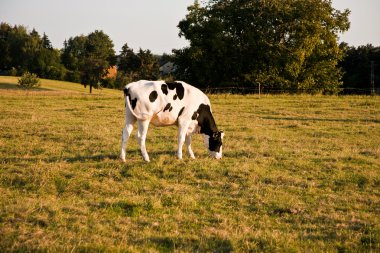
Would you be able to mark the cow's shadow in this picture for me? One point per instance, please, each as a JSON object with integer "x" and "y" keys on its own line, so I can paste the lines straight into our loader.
{"x": 94, "y": 158}
{"x": 134, "y": 154}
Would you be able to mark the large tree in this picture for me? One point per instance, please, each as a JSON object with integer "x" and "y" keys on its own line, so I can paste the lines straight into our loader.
{"x": 134, "y": 66}
{"x": 280, "y": 44}
{"x": 99, "y": 57}
{"x": 357, "y": 66}
{"x": 73, "y": 55}
{"x": 88, "y": 58}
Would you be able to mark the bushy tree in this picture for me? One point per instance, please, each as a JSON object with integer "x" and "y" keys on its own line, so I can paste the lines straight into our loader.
{"x": 357, "y": 68}
{"x": 22, "y": 51}
{"x": 280, "y": 44}
{"x": 73, "y": 55}
{"x": 29, "y": 80}
{"x": 128, "y": 60}
{"x": 132, "y": 66}
{"x": 149, "y": 68}
{"x": 88, "y": 57}
{"x": 99, "y": 57}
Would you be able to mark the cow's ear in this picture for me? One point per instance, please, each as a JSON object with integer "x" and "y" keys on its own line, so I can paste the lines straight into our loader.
{"x": 221, "y": 134}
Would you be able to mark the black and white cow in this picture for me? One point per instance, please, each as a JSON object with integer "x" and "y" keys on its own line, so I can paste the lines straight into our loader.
{"x": 168, "y": 103}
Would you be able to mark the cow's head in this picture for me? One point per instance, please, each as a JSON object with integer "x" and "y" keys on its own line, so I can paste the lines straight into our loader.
{"x": 214, "y": 144}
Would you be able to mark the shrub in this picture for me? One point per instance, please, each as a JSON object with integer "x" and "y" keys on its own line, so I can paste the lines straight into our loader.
{"x": 29, "y": 80}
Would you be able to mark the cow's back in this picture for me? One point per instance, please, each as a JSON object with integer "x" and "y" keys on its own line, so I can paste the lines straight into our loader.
{"x": 164, "y": 102}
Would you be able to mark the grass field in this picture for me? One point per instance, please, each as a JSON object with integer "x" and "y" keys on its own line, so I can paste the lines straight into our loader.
{"x": 299, "y": 174}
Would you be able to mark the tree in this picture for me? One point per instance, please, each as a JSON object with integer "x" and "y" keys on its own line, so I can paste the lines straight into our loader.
{"x": 357, "y": 68}
{"x": 73, "y": 56}
{"x": 21, "y": 51}
{"x": 46, "y": 42}
{"x": 99, "y": 56}
{"x": 149, "y": 68}
{"x": 88, "y": 58}
{"x": 280, "y": 44}
{"x": 5, "y": 54}
{"x": 128, "y": 60}
{"x": 29, "y": 81}
{"x": 132, "y": 67}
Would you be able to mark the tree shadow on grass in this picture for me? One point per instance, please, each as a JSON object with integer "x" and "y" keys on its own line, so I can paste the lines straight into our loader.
{"x": 12, "y": 86}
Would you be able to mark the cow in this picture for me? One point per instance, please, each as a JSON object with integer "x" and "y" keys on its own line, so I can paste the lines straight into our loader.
{"x": 170, "y": 103}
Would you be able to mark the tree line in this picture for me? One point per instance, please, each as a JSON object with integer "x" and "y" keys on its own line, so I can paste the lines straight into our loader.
{"x": 84, "y": 59}
{"x": 287, "y": 45}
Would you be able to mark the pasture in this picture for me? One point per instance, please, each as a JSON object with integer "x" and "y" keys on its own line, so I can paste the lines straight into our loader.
{"x": 299, "y": 174}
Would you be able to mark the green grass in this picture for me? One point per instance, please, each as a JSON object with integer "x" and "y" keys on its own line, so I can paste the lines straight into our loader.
{"x": 299, "y": 174}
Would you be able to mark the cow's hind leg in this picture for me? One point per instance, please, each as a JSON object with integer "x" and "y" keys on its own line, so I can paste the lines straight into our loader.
{"x": 141, "y": 137}
{"x": 126, "y": 133}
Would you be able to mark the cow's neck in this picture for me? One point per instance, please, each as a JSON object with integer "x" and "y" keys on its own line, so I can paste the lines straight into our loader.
{"x": 206, "y": 121}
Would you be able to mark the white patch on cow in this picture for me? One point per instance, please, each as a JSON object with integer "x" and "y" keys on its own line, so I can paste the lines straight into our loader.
{"x": 216, "y": 155}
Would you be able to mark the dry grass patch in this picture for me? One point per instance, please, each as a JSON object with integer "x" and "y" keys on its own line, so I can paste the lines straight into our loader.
{"x": 300, "y": 173}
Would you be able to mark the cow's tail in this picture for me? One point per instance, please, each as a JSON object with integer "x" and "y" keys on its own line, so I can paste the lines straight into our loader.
{"x": 127, "y": 100}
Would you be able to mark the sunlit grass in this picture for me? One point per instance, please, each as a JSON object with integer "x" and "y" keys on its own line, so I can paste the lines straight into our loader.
{"x": 299, "y": 174}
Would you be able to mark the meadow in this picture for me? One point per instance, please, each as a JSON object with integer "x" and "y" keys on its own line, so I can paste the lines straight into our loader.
{"x": 300, "y": 173}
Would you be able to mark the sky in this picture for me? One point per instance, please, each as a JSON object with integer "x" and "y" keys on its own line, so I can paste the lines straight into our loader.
{"x": 149, "y": 24}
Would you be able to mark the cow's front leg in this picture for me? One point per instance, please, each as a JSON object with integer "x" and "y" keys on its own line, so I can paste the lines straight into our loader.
{"x": 181, "y": 141}
{"x": 188, "y": 145}
{"x": 141, "y": 137}
{"x": 182, "y": 129}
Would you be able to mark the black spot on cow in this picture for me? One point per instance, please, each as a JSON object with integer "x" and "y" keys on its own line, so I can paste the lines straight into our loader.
{"x": 206, "y": 120}
{"x": 171, "y": 85}
{"x": 164, "y": 88}
{"x": 153, "y": 96}
{"x": 167, "y": 107}
{"x": 126, "y": 92}
{"x": 179, "y": 89}
{"x": 195, "y": 116}
{"x": 207, "y": 126}
{"x": 175, "y": 97}
{"x": 215, "y": 141}
{"x": 132, "y": 101}
{"x": 181, "y": 111}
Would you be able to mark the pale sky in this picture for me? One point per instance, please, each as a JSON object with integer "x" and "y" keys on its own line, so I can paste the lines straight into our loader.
{"x": 149, "y": 24}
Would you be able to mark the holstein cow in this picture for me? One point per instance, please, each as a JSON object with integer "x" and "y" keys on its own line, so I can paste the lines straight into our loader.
{"x": 168, "y": 103}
